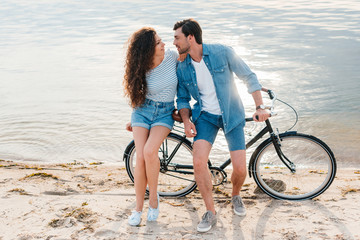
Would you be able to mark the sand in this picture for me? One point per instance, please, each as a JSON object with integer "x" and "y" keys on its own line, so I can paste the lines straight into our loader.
{"x": 93, "y": 201}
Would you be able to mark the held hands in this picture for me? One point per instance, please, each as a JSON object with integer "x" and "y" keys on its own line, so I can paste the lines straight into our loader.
{"x": 261, "y": 115}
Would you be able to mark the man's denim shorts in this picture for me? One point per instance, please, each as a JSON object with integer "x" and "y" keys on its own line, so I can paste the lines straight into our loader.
{"x": 152, "y": 114}
{"x": 208, "y": 125}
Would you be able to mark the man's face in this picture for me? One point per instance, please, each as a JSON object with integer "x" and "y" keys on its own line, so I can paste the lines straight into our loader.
{"x": 181, "y": 42}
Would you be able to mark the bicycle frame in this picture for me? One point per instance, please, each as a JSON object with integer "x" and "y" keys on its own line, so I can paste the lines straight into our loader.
{"x": 267, "y": 160}
{"x": 267, "y": 129}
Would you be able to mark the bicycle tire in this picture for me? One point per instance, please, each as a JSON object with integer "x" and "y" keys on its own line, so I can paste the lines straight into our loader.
{"x": 179, "y": 167}
{"x": 315, "y": 167}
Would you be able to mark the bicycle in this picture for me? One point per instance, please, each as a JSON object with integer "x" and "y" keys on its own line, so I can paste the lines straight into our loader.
{"x": 287, "y": 166}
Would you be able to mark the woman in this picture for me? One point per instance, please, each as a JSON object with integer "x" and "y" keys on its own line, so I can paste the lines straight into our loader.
{"x": 150, "y": 83}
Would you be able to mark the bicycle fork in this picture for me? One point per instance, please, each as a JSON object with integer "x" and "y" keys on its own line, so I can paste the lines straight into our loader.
{"x": 277, "y": 145}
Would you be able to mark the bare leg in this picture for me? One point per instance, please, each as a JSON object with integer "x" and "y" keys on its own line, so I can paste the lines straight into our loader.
{"x": 238, "y": 176}
{"x": 152, "y": 163}
{"x": 140, "y": 136}
{"x": 201, "y": 151}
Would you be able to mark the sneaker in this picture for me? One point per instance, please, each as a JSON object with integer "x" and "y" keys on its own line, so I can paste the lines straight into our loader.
{"x": 208, "y": 220}
{"x": 153, "y": 213}
{"x": 238, "y": 205}
{"x": 135, "y": 218}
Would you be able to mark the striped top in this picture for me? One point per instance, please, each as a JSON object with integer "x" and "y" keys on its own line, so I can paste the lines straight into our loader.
{"x": 162, "y": 80}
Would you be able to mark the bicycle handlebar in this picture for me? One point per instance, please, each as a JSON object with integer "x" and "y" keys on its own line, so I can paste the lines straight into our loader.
{"x": 176, "y": 116}
{"x": 273, "y": 98}
{"x": 270, "y": 92}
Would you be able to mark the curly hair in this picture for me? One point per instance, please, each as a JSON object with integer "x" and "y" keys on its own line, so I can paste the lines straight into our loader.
{"x": 139, "y": 60}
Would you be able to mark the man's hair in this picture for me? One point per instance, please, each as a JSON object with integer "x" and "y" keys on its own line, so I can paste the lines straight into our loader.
{"x": 190, "y": 27}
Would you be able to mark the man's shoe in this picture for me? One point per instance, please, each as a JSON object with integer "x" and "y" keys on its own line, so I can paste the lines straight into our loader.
{"x": 208, "y": 220}
{"x": 153, "y": 213}
{"x": 238, "y": 205}
{"x": 135, "y": 218}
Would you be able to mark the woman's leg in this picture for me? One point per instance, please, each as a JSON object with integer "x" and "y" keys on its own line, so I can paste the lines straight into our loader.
{"x": 151, "y": 149}
{"x": 140, "y": 137}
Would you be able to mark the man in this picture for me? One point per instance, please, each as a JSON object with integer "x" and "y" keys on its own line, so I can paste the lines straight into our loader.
{"x": 206, "y": 75}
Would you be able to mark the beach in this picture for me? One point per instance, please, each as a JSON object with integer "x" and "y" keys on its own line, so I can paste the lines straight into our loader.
{"x": 63, "y": 115}
{"x": 92, "y": 201}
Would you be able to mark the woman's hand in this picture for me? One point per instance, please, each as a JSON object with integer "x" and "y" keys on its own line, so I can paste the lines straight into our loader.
{"x": 182, "y": 57}
{"x": 128, "y": 127}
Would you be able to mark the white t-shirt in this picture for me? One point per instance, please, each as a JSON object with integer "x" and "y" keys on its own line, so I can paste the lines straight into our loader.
{"x": 206, "y": 88}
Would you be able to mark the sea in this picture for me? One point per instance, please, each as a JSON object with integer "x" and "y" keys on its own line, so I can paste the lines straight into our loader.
{"x": 62, "y": 66}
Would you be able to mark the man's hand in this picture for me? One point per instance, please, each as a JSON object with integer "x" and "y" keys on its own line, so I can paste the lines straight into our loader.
{"x": 261, "y": 115}
{"x": 190, "y": 129}
{"x": 189, "y": 126}
{"x": 128, "y": 127}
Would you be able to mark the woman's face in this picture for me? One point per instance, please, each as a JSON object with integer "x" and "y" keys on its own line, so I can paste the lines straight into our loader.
{"x": 159, "y": 47}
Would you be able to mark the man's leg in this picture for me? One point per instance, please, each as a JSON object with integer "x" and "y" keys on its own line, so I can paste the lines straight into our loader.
{"x": 201, "y": 151}
{"x": 238, "y": 159}
{"x": 236, "y": 141}
{"x": 207, "y": 129}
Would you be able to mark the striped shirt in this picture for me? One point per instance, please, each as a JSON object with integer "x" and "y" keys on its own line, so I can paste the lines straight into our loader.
{"x": 162, "y": 80}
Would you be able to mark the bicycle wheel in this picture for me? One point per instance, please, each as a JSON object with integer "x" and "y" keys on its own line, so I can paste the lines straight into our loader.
{"x": 314, "y": 167}
{"x": 176, "y": 176}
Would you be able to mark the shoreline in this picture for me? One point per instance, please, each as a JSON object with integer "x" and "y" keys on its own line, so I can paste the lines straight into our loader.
{"x": 93, "y": 201}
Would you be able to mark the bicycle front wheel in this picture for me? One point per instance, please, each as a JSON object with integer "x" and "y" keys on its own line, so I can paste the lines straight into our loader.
{"x": 309, "y": 172}
{"x": 176, "y": 177}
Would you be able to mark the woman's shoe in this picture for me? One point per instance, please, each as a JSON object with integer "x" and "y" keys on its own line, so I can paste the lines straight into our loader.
{"x": 135, "y": 218}
{"x": 153, "y": 213}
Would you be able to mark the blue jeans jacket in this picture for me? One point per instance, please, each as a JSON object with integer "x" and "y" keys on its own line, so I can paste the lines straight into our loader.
{"x": 222, "y": 62}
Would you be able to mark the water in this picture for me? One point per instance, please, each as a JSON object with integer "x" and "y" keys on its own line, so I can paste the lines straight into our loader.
{"x": 61, "y": 67}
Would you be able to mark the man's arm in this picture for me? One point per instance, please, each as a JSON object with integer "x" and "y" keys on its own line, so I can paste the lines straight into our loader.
{"x": 261, "y": 114}
{"x": 189, "y": 126}
{"x": 183, "y": 105}
{"x": 242, "y": 70}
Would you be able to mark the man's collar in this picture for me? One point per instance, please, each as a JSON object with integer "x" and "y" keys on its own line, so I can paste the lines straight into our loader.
{"x": 205, "y": 52}
{"x": 205, "y": 49}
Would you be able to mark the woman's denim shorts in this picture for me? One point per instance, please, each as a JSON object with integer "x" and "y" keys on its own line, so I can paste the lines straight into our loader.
{"x": 208, "y": 125}
{"x": 152, "y": 114}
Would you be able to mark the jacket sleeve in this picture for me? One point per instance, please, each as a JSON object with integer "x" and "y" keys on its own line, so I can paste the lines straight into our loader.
{"x": 183, "y": 95}
{"x": 242, "y": 71}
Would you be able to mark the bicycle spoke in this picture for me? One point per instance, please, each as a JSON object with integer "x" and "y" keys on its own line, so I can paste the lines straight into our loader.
{"x": 175, "y": 155}
{"x": 315, "y": 168}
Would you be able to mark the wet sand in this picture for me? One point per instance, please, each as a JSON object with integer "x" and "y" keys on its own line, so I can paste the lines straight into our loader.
{"x": 93, "y": 201}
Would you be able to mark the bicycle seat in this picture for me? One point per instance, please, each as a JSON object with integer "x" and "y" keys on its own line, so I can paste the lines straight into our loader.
{"x": 176, "y": 116}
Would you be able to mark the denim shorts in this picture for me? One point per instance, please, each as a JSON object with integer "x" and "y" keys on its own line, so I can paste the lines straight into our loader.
{"x": 152, "y": 114}
{"x": 208, "y": 125}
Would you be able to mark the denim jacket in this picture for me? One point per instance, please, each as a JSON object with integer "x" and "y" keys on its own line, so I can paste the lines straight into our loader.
{"x": 221, "y": 61}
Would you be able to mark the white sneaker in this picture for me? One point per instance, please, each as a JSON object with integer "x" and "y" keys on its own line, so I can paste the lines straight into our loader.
{"x": 153, "y": 213}
{"x": 135, "y": 218}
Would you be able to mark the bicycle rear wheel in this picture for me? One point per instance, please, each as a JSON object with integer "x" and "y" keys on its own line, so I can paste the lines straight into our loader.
{"x": 314, "y": 167}
{"x": 176, "y": 176}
